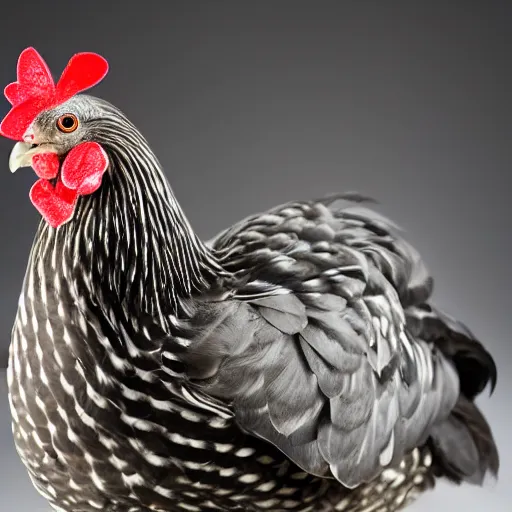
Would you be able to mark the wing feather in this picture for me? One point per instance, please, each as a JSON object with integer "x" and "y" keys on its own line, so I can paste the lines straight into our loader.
{"x": 316, "y": 356}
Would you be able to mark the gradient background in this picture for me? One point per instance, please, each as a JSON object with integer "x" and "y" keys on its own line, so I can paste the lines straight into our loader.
{"x": 251, "y": 104}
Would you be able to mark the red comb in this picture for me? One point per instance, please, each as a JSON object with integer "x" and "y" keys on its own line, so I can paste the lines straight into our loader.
{"x": 35, "y": 90}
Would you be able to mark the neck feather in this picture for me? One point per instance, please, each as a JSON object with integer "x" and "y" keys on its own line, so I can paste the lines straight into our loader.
{"x": 131, "y": 239}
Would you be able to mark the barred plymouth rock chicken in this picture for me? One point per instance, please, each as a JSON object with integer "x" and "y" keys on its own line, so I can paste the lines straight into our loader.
{"x": 295, "y": 362}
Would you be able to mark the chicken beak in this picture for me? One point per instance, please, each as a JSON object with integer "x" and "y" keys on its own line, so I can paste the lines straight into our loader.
{"x": 22, "y": 153}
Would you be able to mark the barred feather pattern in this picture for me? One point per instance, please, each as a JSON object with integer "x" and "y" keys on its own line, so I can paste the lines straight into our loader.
{"x": 96, "y": 420}
{"x": 151, "y": 371}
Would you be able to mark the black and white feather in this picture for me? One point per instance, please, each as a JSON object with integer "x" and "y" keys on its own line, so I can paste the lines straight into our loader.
{"x": 295, "y": 362}
{"x": 321, "y": 362}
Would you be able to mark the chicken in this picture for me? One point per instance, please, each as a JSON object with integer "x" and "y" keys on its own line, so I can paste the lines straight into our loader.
{"x": 294, "y": 362}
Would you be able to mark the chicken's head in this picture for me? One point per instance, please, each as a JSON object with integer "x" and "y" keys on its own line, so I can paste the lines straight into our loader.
{"x": 50, "y": 124}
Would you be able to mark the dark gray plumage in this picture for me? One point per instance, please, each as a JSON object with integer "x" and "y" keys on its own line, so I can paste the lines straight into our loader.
{"x": 293, "y": 363}
{"x": 328, "y": 370}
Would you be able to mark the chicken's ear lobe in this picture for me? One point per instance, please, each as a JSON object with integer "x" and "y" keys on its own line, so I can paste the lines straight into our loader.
{"x": 83, "y": 168}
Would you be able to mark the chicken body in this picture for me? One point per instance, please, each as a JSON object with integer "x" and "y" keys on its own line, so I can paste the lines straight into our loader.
{"x": 294, "y": 363}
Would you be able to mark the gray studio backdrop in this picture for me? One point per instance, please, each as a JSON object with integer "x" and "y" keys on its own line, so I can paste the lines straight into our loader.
{"x": 250, "y": 104}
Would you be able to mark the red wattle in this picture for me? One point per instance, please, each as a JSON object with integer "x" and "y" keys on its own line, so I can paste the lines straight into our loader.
{"x": 46, "y": 165}
{"x": 54, "y": 209}
{"x": 81, "y": 174}
{"x": 66, "y": 194}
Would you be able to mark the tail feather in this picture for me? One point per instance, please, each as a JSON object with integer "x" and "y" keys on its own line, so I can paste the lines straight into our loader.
{"x": 474, "y": 364}
{"x": 463, "y": 446}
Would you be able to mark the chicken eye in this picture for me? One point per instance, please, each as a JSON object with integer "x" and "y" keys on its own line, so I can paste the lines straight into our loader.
{"x": 67, "y": 123}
